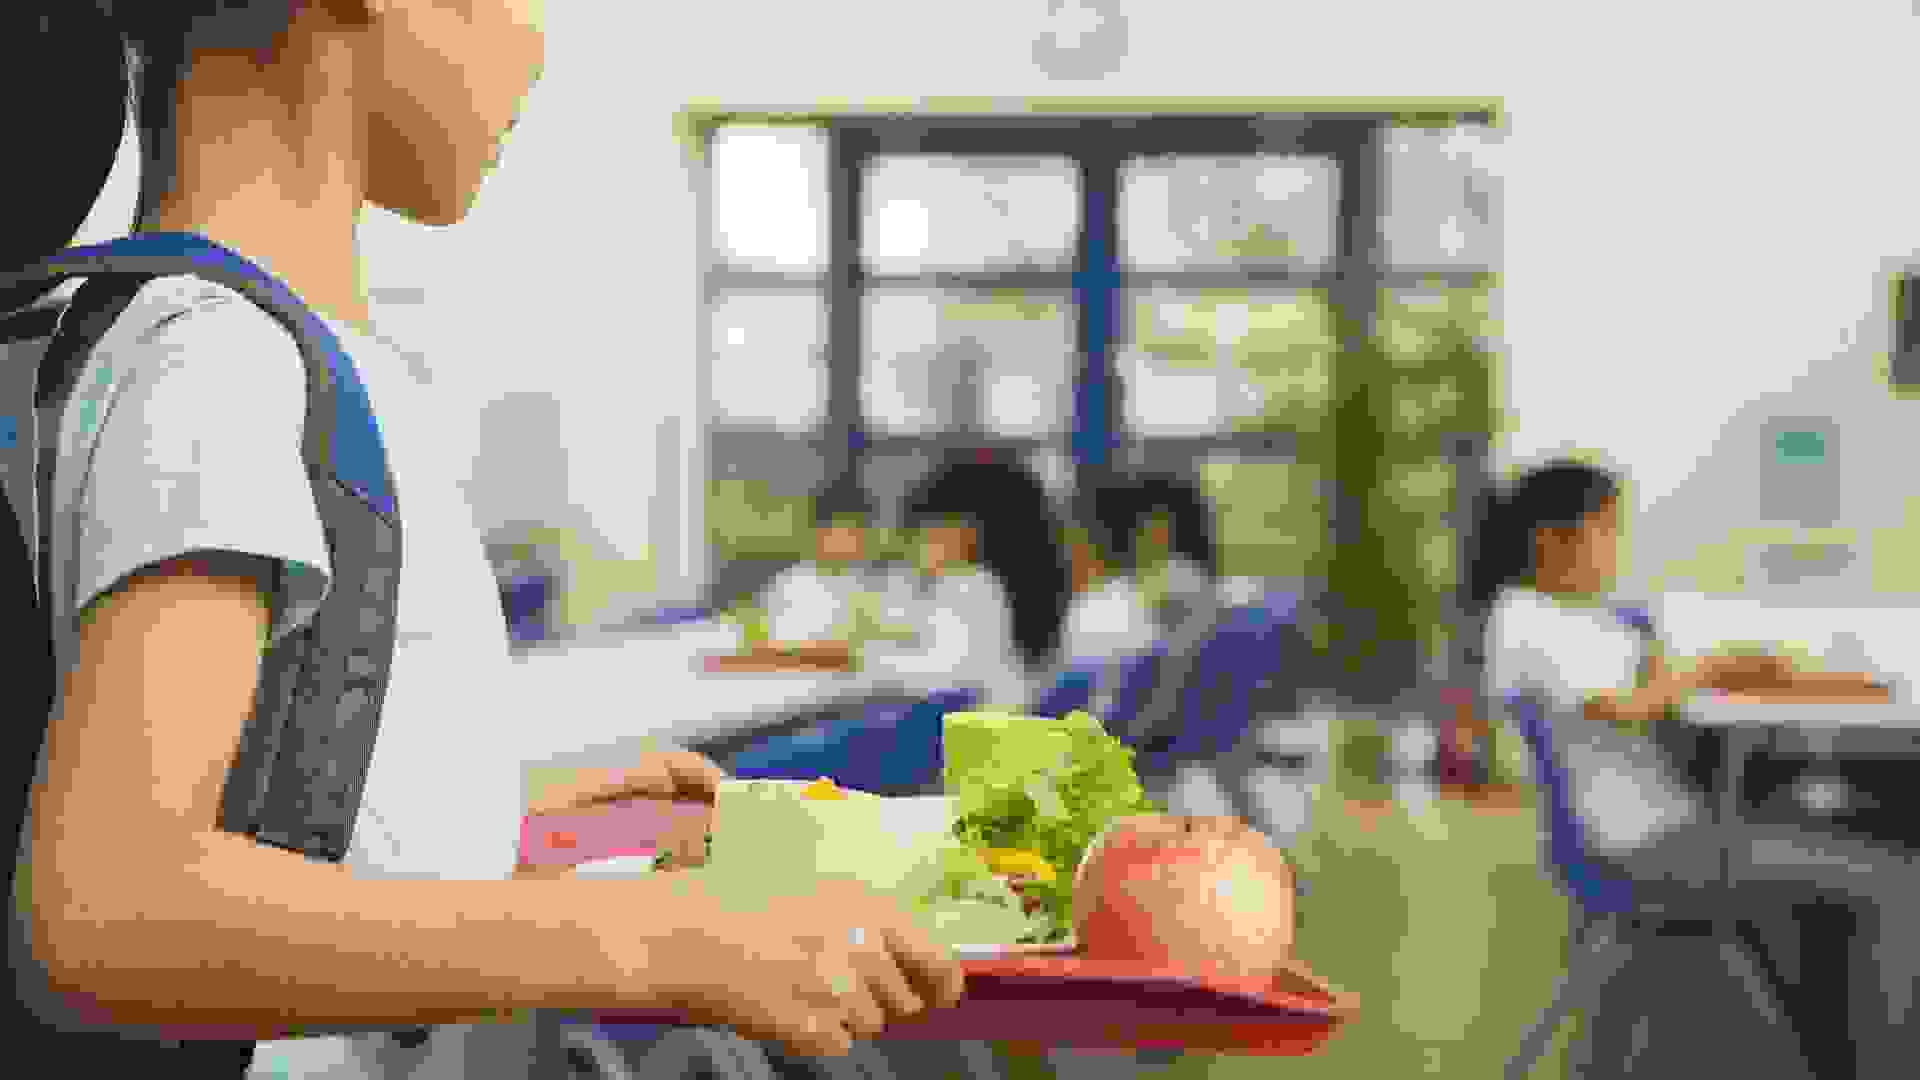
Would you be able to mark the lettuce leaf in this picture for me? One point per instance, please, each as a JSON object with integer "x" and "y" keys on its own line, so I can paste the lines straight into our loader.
{"x": 1042, "y": 785}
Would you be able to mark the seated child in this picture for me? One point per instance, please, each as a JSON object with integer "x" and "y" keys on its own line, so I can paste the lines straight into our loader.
{"x": 809, "y": 605}
{"x": 1544, "y": 553}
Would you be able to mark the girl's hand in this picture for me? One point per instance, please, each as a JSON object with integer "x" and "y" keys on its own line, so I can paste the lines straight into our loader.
{"x": 813, "y": 970}
{"x": 666, "y": 775}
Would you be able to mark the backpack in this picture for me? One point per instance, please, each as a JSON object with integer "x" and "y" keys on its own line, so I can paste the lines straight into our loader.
{"x": 297, "y": 780}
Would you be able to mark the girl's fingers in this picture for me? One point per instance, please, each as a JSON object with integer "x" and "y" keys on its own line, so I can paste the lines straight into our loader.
{"x": 695, "y": 776}
{"x": 851, "y": 988}
{"x": 895, "y": 997}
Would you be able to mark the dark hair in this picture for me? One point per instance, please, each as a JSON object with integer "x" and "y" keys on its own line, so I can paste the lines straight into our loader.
{"x": 1558, "y": 494}
{"x": 841, "y": 500}
{"x": 102, "y": 55}
{"x": 1019, "y": 542}
{"x": 1119, "y": 510}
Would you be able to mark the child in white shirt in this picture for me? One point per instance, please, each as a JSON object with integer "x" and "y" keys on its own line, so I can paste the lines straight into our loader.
{"x": 1545, "y": 552}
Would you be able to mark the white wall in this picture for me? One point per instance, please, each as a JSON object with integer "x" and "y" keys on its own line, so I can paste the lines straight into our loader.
{"x": 1699, "y": 195}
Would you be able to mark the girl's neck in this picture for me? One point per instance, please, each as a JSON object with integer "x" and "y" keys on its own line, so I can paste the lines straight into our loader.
{"x": 282, "y": 186}
{"x": 1562, "y": 593}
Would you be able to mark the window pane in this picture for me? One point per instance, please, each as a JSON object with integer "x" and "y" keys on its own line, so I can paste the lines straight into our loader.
{"x": 769, "y": 361}
{"x": 1443, "y": 198}
{"x": 1413, "y": 505}
{"x": 1200, "y": 362}
{"x": 1192, "y": 212}
{"x": 926, "y": 214}
{"x": 770, "y": 198}
{"x": 998, "y": 362}
{"x": 759, "y": 496}
{"x": 1270, "y": 516}
{"x": 1440, "y": 345}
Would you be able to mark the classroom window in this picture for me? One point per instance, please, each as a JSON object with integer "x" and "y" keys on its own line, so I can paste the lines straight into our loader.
{"x": 932, "y": 214}
{"x": 768, "y": 360}
{"x": 950, "y": 311}
{"x": 1442, "y": 198}
{"x": 1270, "y": 516}
{"x": 769, "y": 198}
{"x": 1203, "y": 362}
{"x": 998, "y": 362}
{"x": 1186, "y": 213}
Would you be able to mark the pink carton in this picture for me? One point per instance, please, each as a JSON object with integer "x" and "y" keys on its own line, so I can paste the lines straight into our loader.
{"x": 617, "y": 829}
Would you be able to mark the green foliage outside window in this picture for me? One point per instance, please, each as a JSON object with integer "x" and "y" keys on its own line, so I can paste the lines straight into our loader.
{"x": 745, "y": 520}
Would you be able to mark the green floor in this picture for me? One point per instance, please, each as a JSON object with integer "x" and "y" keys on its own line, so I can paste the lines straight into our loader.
{"x": 1443, "y": 924}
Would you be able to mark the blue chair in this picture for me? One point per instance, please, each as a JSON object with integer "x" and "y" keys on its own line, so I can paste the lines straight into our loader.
{"x": 1239, "y": 651}
{"x": 1132, "y": 682}
{"x": 1608, "y": 919}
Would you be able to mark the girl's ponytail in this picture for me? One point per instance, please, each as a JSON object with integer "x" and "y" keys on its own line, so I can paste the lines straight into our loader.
{"x": 1499, "y": 555}
{"x": 68, "y": 72}
{"x": 64, "y": 76}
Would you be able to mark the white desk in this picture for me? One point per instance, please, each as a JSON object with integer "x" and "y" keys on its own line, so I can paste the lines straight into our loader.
{"x": 593, "y": 704}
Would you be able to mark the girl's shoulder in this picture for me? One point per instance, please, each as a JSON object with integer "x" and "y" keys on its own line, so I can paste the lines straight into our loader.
{"x": 178, "y": 318}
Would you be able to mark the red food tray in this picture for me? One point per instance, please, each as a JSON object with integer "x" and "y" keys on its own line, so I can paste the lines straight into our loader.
{"x": 1058, "y": 998}
{"x": 1040, "y": 995}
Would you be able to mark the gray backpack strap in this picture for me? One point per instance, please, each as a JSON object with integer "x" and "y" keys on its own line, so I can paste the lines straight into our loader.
{"x": 301, "y": 769}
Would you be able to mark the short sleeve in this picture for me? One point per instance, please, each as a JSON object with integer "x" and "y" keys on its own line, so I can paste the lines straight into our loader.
{"x": 1567, "y": 656}
{"x": 196, "y": 447}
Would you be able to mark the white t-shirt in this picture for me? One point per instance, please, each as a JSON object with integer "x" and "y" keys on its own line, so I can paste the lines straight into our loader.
{"x": 183, "y": 434}
{"x": 1622, "y": 789}
{"x": 808, "y": 603}
{"x": 966, "y": 640}
{"x": 1108, "y": 621}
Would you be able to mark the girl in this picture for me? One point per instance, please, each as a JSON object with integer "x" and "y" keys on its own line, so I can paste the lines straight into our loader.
{"x": 269, "y": 126}
{"x": 994, "y": 581}
{"x": 1546, "y": 551}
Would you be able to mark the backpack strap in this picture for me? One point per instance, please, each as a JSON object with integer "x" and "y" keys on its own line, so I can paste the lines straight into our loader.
{"x": 301, "y": 769}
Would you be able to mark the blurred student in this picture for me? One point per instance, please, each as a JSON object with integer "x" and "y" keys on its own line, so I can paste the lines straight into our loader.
{"x": 993, "y": 581}
{"x": 810, "y": 606}
{"x": 1547, "y": 553}
{"x": 1109, "y": 616}
{"x": 1157, "y": 566}
{"x": 1164, "y": 531}
{"x": 270, "y": 127}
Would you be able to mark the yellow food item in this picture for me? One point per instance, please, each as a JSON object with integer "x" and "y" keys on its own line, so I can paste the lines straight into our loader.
{"x": 824, "y": 790}
{"x": 1014, "y": 861}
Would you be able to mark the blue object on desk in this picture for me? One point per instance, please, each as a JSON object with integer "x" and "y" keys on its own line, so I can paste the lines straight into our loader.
{"x": 676, "y": 616}
{"x": 524, "y": 600}
{"x": 890, "y": 748}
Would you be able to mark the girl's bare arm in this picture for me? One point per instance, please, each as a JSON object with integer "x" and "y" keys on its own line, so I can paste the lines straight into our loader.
{"x": 143, "y": 908}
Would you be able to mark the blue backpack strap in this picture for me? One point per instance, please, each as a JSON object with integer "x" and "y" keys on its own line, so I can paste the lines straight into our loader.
{"x": 302, "y": 764}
